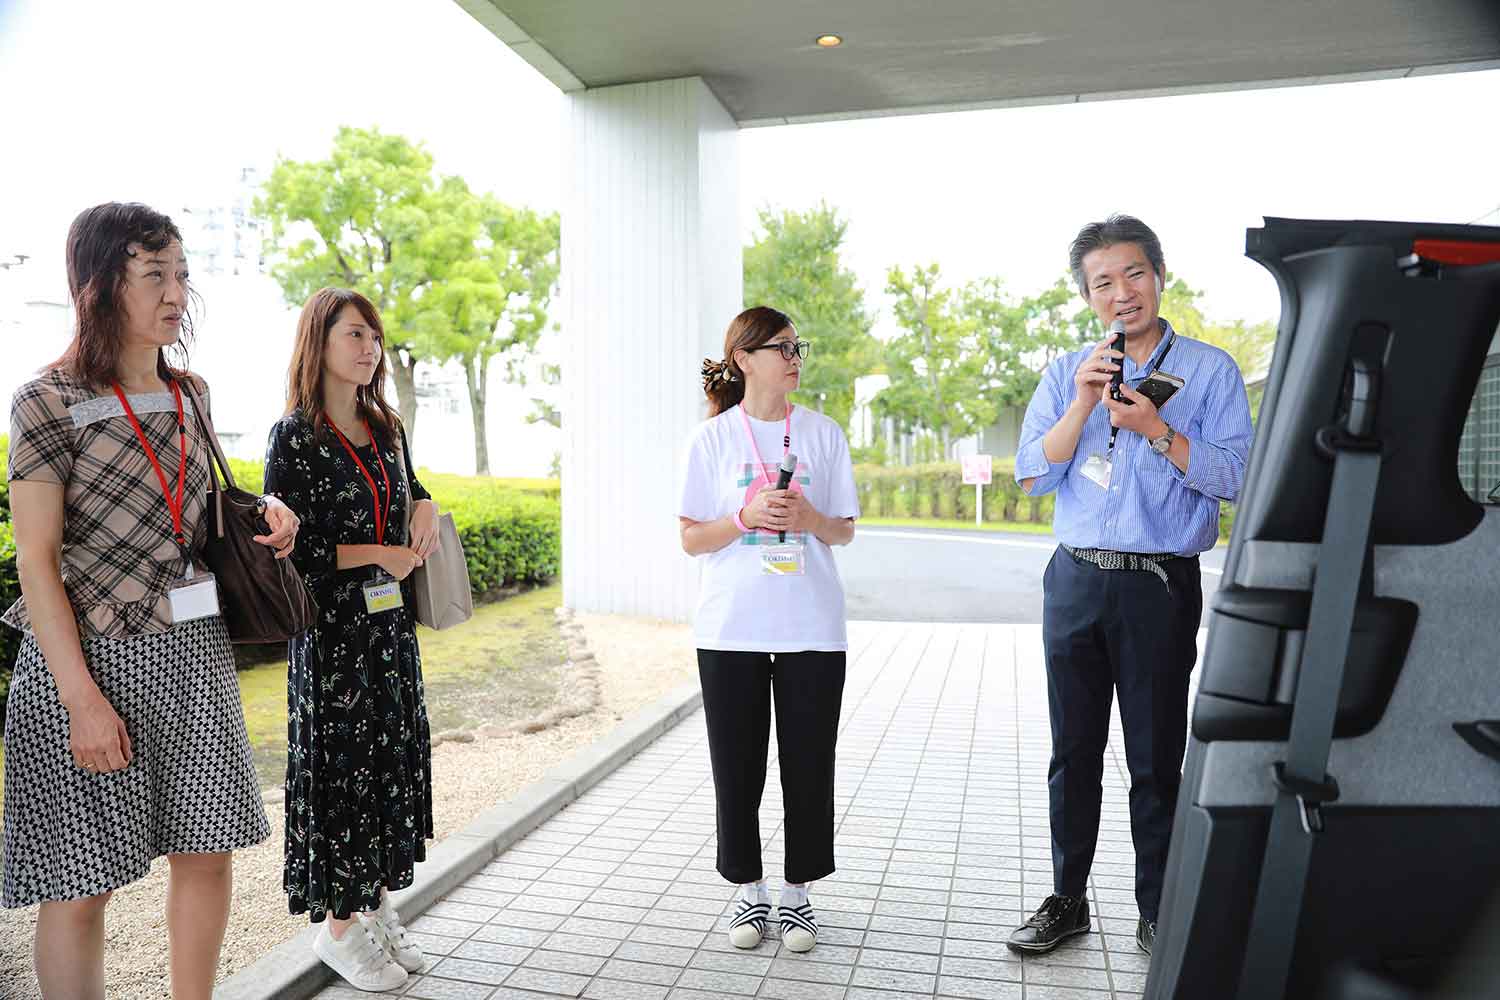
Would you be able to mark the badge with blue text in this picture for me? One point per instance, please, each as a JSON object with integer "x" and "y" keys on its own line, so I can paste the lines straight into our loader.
{"x": 382, "y": 594}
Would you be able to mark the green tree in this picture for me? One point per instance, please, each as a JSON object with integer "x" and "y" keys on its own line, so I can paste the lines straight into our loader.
{"x": 495, "y": 269}
{"x": 1017, "y": 340}
{"x": 359, "y": 220}
{"x": 937, "y": 365}
{"x": 794, "y": 265}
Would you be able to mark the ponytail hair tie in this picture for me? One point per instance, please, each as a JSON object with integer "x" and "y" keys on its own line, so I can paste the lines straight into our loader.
{"x": 715, "y": 372}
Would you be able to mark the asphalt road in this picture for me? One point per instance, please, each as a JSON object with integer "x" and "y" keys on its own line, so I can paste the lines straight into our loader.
{"x": 911, "y": 574}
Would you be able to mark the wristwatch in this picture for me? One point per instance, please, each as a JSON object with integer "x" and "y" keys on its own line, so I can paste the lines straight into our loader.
{"x": 1162, "y": 445}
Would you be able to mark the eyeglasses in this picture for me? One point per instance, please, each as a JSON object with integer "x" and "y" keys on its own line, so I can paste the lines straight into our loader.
{"x": 788, "y": 348}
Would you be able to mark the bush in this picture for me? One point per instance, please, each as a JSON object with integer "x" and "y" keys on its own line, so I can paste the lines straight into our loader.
{"x": 937, "y": 490}
{"x": 10, "y": 639}
{"x": 4, "y": 477}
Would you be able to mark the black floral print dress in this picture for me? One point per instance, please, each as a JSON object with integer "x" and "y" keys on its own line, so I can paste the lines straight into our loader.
{"x": 359, "y": 751}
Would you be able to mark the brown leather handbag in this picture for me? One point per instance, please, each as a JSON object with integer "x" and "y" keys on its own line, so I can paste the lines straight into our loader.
{"x": 262, "y": 598}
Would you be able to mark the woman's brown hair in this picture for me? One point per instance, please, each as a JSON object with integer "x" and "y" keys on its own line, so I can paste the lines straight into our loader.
{"x": 305, "y": 373}
{"x": 723, "y": 382}
{"x": 98, "y": 251}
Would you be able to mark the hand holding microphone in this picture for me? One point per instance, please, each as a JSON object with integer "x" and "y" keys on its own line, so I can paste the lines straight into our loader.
{"x": 788, "y": 468}
{"x": 1101, "y": 371}
{"x": 1117, "y": 343}
{"x": 1117, "y": 331}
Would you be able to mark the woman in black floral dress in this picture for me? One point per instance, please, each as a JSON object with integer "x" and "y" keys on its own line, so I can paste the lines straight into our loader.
{"x": 359, "y": 772}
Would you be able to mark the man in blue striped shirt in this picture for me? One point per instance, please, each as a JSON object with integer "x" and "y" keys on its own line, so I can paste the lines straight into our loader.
{"x": 1138, "y": 491}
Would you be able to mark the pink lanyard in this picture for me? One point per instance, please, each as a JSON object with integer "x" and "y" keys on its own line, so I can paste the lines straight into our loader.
{"x": 786, "y": 441}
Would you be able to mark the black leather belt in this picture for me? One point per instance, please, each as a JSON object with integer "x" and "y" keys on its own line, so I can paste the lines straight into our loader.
{"x": 1150, "y": 562}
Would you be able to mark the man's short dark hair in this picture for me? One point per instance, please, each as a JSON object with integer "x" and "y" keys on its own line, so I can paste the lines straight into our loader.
{"x": 1113, "y": 230}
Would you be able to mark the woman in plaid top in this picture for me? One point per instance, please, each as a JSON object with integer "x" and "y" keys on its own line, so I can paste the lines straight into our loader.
{"x": 124, "y": 736}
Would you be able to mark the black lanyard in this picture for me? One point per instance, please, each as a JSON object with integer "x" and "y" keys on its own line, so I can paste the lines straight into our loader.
{"x": 1114, "y": 432}
{"x": 1165, "y": 351}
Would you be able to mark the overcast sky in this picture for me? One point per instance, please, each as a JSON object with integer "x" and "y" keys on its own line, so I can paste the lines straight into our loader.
{"x": 166, "y": 102}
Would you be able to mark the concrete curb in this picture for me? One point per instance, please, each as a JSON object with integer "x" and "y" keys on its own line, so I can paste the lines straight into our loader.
{"x": 290, "y": 971}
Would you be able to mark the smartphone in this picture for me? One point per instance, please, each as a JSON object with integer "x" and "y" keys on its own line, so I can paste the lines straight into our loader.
{"x": 1159, "y": 387}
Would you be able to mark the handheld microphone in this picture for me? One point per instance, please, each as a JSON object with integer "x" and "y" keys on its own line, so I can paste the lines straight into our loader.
{"x": 1117, "y": 330}
{"x": 788, "y": 466}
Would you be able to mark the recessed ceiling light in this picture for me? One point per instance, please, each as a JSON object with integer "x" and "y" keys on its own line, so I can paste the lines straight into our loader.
{"x": 830, "y": 41}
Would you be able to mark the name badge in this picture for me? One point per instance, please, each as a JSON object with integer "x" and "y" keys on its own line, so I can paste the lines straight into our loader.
{"x": 783, "y": 560}
{"x": 1096, "y": 470}
{"x": 194, "y": 598}
{"x": 382, "y": 595}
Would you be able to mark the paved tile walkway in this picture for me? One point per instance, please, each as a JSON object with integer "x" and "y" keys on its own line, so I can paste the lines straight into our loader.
{"x": 942, "y": 841}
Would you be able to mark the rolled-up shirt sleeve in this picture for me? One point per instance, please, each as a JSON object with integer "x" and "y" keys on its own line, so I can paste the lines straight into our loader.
{"x": 1042, "y": 414}
{"x": 1217, "y": 456}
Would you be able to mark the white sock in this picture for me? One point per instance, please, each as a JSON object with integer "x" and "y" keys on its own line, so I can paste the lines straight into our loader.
{"x": 755, "y": 892}
{"x": 793, "y": 896}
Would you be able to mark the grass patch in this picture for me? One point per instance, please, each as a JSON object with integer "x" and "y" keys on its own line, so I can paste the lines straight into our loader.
{"x": 499, "y": 665}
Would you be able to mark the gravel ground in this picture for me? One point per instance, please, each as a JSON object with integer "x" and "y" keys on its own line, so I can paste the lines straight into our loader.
{"x": 639, "y": 660}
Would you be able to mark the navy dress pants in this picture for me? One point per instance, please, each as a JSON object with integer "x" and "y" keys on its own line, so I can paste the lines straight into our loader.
{"x": 1124, "y": 631}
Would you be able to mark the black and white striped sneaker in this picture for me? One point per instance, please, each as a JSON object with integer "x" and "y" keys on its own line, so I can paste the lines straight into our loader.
{"x": 799, "y": 929}
{"x": 748, "y": 925}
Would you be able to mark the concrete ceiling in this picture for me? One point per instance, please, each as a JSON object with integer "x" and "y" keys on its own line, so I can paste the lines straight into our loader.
{"x": 906, "y": 56}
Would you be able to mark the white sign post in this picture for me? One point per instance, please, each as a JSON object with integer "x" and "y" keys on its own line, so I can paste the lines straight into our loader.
{"x": 979, "y": 470}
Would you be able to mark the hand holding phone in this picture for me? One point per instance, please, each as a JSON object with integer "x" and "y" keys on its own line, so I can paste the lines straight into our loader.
{"x": 1159, "y": 387}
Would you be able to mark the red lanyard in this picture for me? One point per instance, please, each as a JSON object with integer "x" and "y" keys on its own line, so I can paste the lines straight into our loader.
{"x": 381, "y": 517}
{"x": 786, "y": 441}
{"x": 174, "y": 505}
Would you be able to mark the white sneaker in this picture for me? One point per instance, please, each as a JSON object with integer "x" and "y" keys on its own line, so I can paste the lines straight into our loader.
{"x": 386, "y": 927}
{"x": 799, "y": 928}
{"x": 359, "y": 959}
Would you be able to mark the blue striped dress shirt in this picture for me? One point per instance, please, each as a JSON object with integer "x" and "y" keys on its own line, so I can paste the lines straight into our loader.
{"x": 1150, "y": 505}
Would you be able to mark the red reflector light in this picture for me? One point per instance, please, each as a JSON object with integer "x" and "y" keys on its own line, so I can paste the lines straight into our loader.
{"x": 1460, "y": 252}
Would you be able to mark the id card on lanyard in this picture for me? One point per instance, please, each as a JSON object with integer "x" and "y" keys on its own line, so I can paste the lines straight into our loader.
{"x": 196, "y": 595}
{"x": 383, "y": 593}
{"x": 784, "y": 558}
{"x": 1098, "y": 468}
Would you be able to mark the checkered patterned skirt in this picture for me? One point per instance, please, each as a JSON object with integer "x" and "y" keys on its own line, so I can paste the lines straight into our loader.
{"x": 190, "y": 787}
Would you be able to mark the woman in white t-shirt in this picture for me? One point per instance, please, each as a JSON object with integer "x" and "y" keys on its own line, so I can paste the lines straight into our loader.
{"x": 770, "y": 622}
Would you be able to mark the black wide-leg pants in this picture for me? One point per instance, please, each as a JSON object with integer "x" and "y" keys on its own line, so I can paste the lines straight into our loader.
{"x": 1126, "y": 631}
{"x": 738, "y": 690}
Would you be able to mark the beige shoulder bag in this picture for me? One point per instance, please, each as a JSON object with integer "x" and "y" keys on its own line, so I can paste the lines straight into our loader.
{"x": 441, "y": 584}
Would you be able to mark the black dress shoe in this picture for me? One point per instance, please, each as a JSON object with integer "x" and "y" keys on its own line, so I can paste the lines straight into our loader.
{"x": 1058, "y": 919}
{"x": 1145, "y": 934}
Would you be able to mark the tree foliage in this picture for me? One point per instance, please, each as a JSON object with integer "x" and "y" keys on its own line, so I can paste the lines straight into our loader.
{"x": 794, "y": 265}
{"x": 456, "y": 275}
{"x": 358, "y": 219}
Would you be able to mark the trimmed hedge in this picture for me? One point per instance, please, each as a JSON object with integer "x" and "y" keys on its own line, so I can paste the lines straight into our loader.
{"x": 511, "y": 530}
{"x": 10, "y": 589}
{"x": 937, "y": 490}
{"x": 10, "y": 639}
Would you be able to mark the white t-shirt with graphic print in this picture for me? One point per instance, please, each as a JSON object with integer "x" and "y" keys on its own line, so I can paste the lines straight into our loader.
{"x": 740, "y": 607}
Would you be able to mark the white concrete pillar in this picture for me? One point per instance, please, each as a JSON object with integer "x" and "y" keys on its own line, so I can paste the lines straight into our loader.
{"x": 651, "y": 276}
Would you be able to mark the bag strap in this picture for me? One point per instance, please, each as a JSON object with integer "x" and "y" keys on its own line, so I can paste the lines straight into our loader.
{"x": 405, "y": 480}
{"x": 1302, "y": 784}
{"x": 215, "y": 453}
